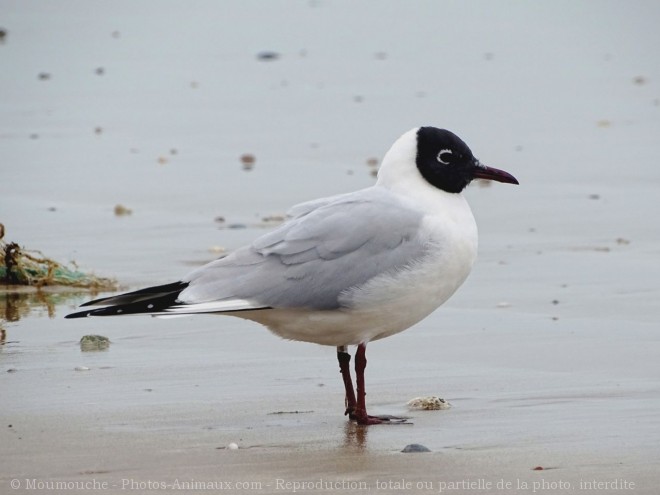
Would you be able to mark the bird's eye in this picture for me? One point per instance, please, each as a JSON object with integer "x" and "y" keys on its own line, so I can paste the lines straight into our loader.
{"x": 444, "y": 153}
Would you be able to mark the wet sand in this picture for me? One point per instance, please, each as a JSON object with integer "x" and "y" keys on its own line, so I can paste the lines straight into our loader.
{"x": 548, "y": 353}
{"x": 167, "y": 399}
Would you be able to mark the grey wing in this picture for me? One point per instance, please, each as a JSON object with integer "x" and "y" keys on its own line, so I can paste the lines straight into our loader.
{"x": 309, "y": 261}
{"x": 303, "y": 209}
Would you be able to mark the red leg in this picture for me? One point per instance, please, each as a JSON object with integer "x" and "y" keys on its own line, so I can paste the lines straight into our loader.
{"x": 344, "y": 359}
{"x": 360, "y": 365}
{"x": 361, "y": 407}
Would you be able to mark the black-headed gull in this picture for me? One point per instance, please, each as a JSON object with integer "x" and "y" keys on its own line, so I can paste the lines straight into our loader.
{"x": 348, "y": 269}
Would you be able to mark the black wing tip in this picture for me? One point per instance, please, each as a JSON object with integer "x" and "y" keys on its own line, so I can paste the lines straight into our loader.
{"x": 149, "y": 300}
{"x": 109, "y": 311}
{"x": 118, "y": 310}
{"x": 156, "y": 290}
{"x": 91, "y": 303}
{"x": 94, "y": 302}
{"x": 79, "y": 314}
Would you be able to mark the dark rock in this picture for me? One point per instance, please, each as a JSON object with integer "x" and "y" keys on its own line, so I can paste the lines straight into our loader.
{"x": 415, "y": 447}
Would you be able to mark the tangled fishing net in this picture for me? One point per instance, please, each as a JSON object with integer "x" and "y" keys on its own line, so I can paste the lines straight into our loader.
{"x": 23, "y": 267}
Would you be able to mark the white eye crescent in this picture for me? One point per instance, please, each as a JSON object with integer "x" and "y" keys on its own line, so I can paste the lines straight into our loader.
{"x": 443, "y": 152}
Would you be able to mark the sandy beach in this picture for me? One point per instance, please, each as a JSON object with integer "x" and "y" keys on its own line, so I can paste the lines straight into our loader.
{"x": 549, "y": 352}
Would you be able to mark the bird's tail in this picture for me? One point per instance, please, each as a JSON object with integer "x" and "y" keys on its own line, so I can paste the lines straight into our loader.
{"x": 152, "y": 300}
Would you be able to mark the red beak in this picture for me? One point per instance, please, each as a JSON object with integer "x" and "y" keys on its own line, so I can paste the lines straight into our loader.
{"x": 490, "y": 173}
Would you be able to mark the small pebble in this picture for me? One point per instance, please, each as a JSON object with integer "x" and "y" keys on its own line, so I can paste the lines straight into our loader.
{"x": 121, "y": 210}
{"x": 415, "y": 447}
{"x": 12, "y": 370}
{"x": 372, "y": 162}
{"x": 99, "y": 71}
{"x": 232, "y": 446}
{"x": 274, "y": 219}
{"x": 538, "y": 468}
{"x": 44, "y": 76}
{"x": 81, "y": 368}
{"x": 268, "y": 55}
{"x": 248, "y": 160}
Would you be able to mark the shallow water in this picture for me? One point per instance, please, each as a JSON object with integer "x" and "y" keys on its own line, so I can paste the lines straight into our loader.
{"x": 548, "y": 353}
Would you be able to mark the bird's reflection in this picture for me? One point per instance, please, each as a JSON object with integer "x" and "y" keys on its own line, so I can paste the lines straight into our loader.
{"x": 17, "y": 305}
{"x": 355, "y": 436}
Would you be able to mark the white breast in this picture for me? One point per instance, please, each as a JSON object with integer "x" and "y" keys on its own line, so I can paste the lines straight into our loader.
{"x": 398, "y": 301}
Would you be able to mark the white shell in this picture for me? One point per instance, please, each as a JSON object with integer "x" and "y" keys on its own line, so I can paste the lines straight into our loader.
{"x": 430, "y": 403}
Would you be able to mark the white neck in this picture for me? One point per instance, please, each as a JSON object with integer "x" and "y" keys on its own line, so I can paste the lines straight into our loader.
{"x": 399, "y": 173}
{"x": 395, "y": 171}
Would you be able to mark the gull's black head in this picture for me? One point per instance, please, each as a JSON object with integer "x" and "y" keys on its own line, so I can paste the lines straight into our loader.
{"x": 447, "y": 163}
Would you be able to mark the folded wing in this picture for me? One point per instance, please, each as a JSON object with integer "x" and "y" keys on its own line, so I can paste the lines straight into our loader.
{"x": 328, "y": 248}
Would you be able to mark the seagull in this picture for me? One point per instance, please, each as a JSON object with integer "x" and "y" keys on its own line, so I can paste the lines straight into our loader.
{"x": 348, "y": 269}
